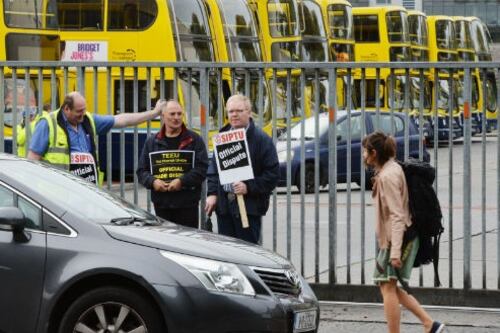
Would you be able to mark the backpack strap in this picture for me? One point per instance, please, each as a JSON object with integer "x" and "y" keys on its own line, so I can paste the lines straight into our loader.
{"x": 435, "y": 259}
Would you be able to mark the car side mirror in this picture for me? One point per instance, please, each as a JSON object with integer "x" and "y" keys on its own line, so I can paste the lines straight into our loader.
{"x": 12, "y": 219}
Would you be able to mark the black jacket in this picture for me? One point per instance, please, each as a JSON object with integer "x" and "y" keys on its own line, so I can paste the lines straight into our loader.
{"x": 190, "y": 193}
{"x": 265, "y": 167}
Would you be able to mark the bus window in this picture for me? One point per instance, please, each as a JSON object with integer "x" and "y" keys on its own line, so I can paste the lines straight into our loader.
{"x": 399, "y": 53}
{"x": 397, "y": 27}
{"x": 215, "y": 105}
{"x": 313, "y": 22}
{"x": 281, "y": 94}
{"x": 366, "y": 29}
{"x": 28, "y": 47}
{"x": 78, "y": 15}
{"x": 447, "y": 57}
{"x": 240, "y": 32}
{"x": 254, "y": 94}
{"x": 315, "y": 48}
{"x": 418, "y": 31}
{"x": 131, "y": 15}
{"x": 415, "y": 93}
{"x": 342, "y": 52}
{"x": 445, "y": 35}
{"x": 444, "y": 94}
{"x": 191, "y": 31}
{"x": 463, "y": 37}
{"x": 285, "y": 51}
{"x": 397, "y": 84}
{"x": 10, "y": 96}
{"x": 20, "y": 14}
{"x": 370, "y": 95}
{"x": 282, "y": 18}
{"x": 340, "y": 21}
{"x": 142, "y": 93}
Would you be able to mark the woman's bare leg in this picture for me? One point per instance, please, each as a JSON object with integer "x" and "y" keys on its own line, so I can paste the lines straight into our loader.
{"x": 411, "y": 303}
{"x": 392, "y": 309}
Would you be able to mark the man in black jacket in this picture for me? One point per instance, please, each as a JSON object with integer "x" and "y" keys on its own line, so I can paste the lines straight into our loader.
{"x": 175, "y": 200}
{"x": 256, "y": 191}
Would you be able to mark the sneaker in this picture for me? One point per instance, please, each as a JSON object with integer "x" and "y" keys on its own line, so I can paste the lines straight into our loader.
{"x": 437, "y": 327}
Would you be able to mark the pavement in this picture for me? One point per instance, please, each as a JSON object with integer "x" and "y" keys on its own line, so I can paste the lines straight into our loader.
{"x": 340, "y": 317}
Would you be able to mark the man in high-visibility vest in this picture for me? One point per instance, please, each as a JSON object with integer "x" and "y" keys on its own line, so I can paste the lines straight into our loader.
{"x": 66, "y": 137}
{"x": 21, "y": 141}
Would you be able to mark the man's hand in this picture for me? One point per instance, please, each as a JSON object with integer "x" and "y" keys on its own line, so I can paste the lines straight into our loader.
{"x": 160, "y": 104}
{"x": 160, "y": 186}
{"x": 34, "y": 156}
{"x": 240, "y": 188}
{"x": 396, "y": 263}
{"x": 175, "y": 185}
{"x": 210, "y": 204}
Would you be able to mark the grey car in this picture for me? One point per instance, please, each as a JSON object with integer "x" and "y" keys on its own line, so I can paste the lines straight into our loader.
{"x": 74, "y": 258}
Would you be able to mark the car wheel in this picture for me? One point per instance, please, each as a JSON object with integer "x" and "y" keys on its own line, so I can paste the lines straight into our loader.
{"x": 111, "y": 309}
{"x": 309, "y": 179}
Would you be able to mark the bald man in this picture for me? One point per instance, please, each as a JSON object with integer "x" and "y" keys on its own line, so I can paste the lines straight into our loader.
{"x": 175, "y": 193}
{"x": 66, "y": 137}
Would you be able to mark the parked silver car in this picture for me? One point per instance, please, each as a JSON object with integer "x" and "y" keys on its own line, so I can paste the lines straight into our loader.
{"x": 75, "y": 258}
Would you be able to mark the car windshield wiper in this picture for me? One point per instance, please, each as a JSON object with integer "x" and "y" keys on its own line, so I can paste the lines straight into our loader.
{"x": 139, "y": 221}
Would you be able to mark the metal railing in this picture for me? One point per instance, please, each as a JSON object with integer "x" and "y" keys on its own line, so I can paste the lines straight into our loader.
{"x": 333, "y": 245}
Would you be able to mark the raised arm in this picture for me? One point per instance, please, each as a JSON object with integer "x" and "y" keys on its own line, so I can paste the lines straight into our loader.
{"x": 131, "y": 119}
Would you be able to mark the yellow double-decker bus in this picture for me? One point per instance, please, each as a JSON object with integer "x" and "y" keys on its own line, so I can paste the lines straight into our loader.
{"x": 280, "y": 35}
{"x": 420, "y": 85}
{"x": 337, "y": 15}
{"x": 466, "y": 53}
{"x": 381, "y": 35}
{"x": 339, "y": 23}
{"x": 237, "y": 40}
{"x": 28, "y": 33}
{"x": 117, "y": 31}
{"x": 314, "y": 49}
{"x": 442, "y": 48}
{"x": 482, "y": 44}
{"x": 199, "y": 37}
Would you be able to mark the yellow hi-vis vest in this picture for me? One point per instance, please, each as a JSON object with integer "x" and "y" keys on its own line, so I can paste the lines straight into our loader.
{"x": 21, "y": 135}
{"x": 58, "y": 152}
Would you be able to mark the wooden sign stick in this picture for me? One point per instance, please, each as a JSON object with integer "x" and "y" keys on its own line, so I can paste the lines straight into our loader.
{"x": 243, "y": 210}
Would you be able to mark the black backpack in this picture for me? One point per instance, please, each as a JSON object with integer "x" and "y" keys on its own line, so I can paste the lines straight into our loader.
{"x": 425, "y": 213}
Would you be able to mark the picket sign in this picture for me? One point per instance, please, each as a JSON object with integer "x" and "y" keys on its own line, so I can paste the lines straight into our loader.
{"x": 234, "y": 163}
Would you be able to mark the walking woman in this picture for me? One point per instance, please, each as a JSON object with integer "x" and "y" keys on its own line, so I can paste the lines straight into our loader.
{"x": 390, "y": 194}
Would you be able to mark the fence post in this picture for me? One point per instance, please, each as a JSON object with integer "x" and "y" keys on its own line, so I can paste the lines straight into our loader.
{"x": 467, "y": 180}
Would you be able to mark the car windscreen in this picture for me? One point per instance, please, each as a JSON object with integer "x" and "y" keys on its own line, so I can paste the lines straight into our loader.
{"x": 73, "y": 193}
{"x": 309, "y": 129}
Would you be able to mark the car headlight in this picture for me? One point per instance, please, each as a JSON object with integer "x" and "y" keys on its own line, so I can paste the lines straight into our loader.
{"x": 282, "y": 156}
{"x": 214, "y": 275}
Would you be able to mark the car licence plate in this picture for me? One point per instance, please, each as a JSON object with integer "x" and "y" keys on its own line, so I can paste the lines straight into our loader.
{"x": 304, "y": 321}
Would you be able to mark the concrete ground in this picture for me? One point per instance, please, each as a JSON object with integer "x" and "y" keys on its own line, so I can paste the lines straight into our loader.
{"x": 362, "y": 317}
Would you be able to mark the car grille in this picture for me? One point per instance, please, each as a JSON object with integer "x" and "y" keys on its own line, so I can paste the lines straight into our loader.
{"x": 285, "y": 282}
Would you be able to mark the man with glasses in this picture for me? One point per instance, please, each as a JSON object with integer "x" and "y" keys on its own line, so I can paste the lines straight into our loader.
{"x": 265, "y": 165}
{"x": 66, "y": 137}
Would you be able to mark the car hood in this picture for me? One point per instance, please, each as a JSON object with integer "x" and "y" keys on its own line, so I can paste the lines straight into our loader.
{"x": 171, "y": 237}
